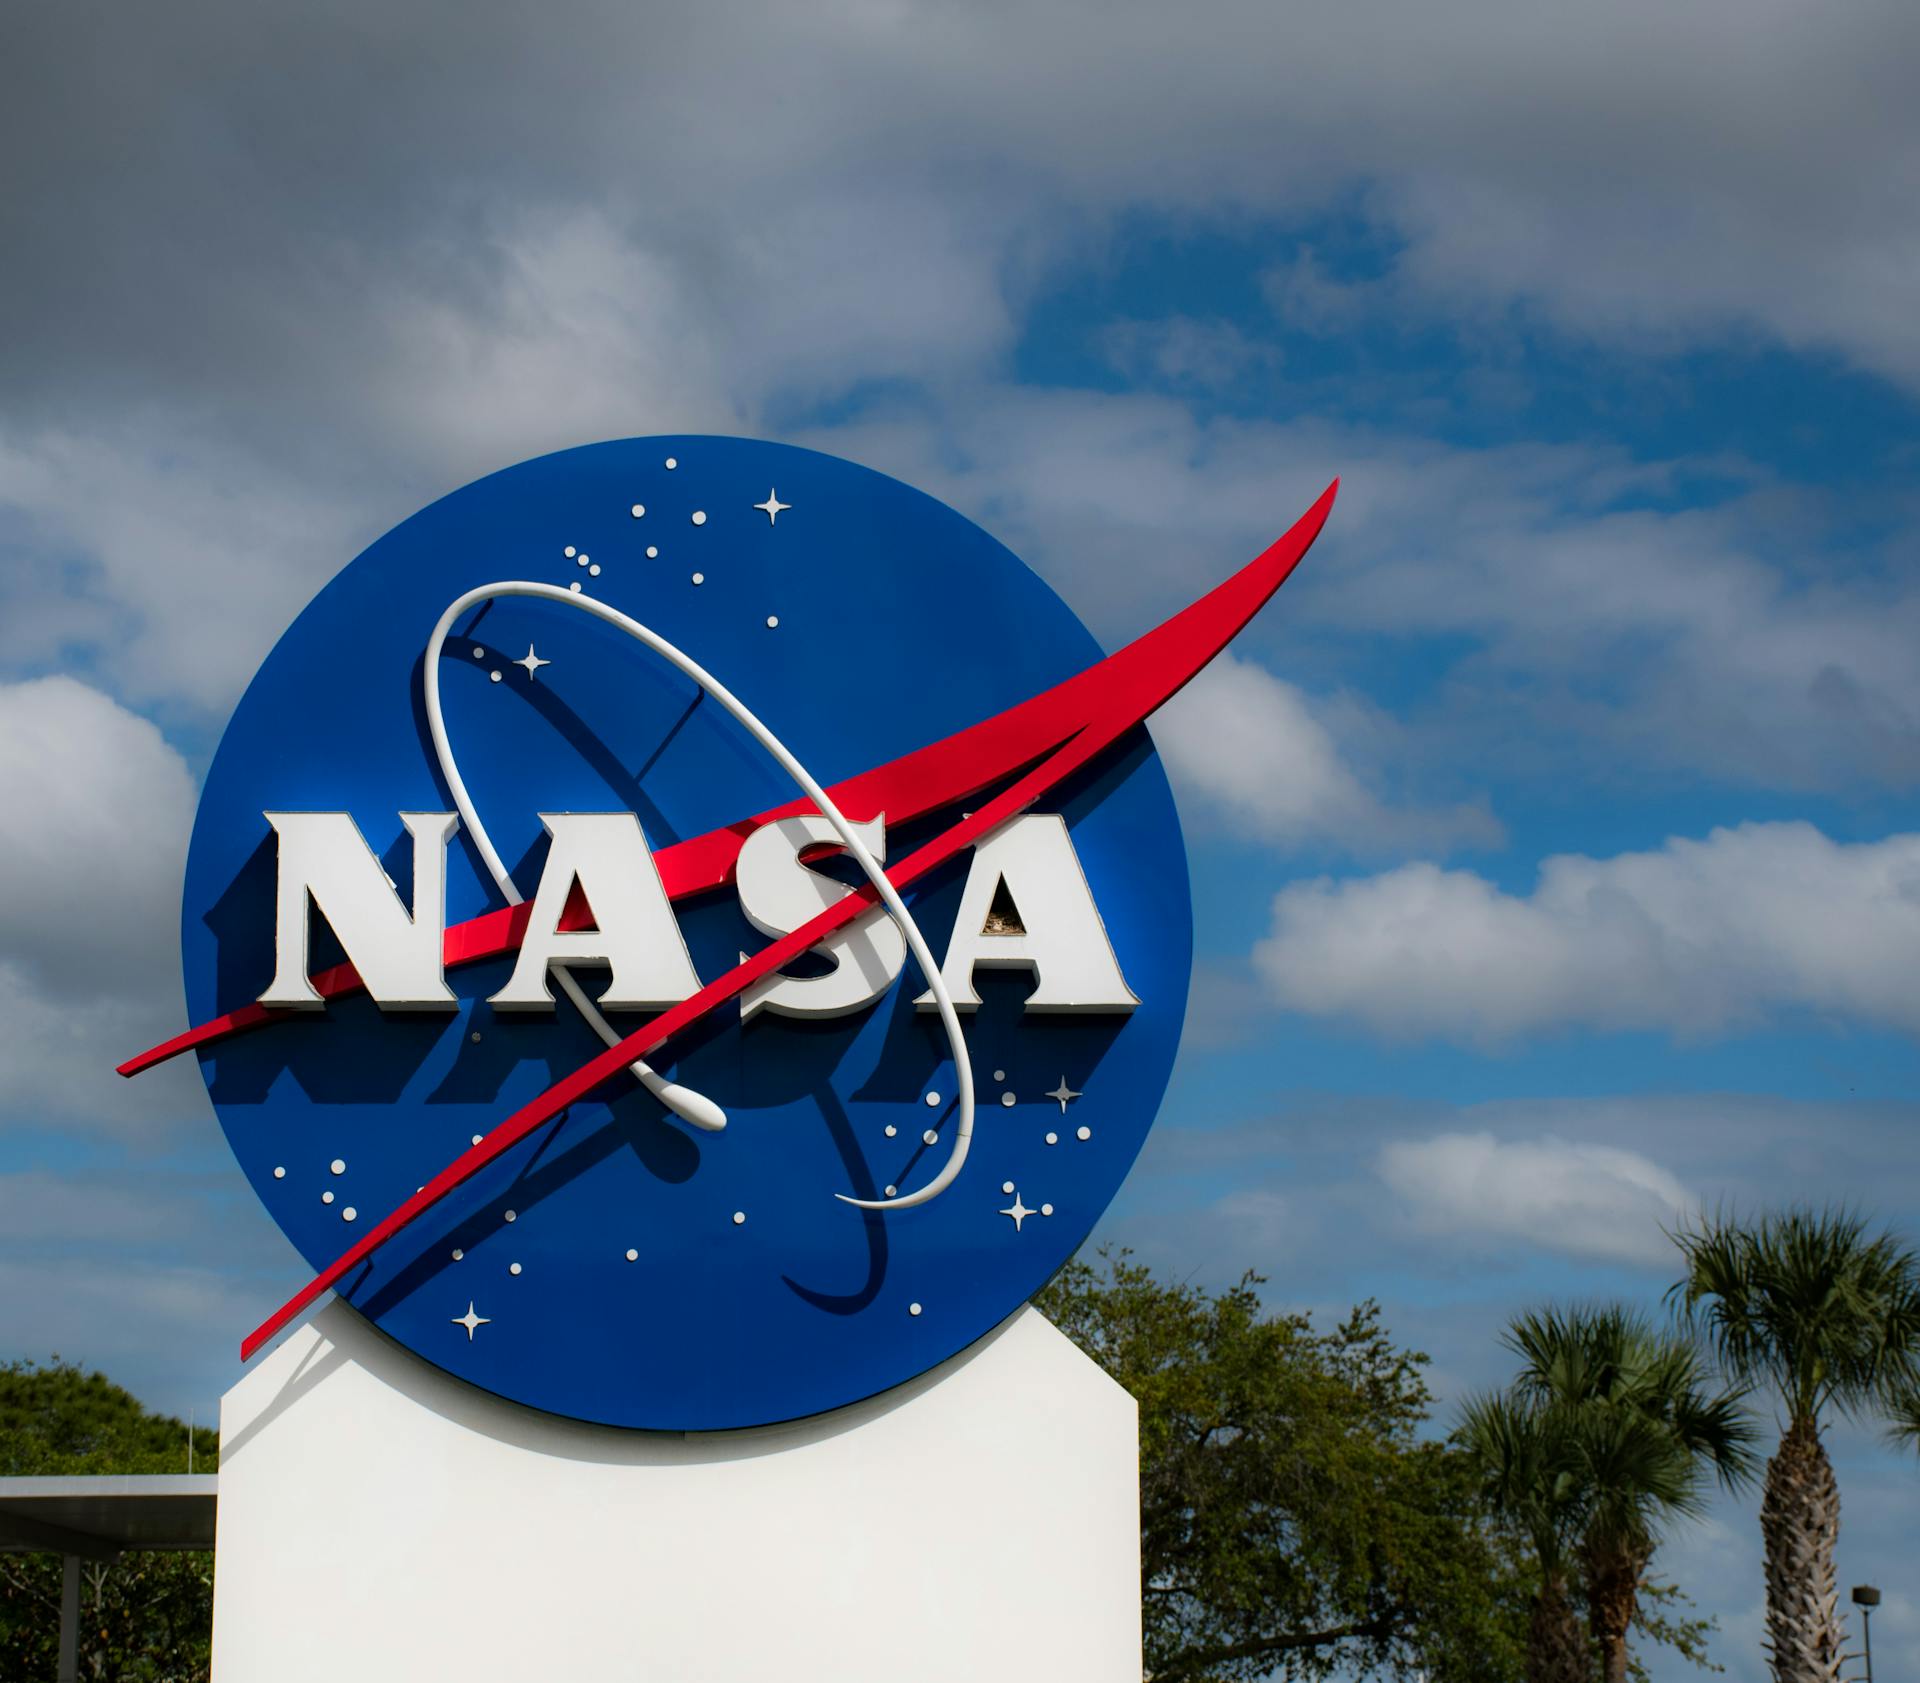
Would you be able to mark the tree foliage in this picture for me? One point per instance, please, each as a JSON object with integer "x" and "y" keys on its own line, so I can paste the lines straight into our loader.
{"x": 1640, "y": 1429}
{"x": 1666, "y": 1619}
{"x": 1294, "y": 1519}
{"x": 145, "y": 1618}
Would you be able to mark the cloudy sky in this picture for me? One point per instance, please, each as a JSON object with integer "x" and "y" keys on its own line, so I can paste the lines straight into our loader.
{"x": 1556, "y": 833}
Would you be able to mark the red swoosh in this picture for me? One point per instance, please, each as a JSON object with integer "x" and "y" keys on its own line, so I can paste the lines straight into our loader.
{"x": 1070, "y": 724}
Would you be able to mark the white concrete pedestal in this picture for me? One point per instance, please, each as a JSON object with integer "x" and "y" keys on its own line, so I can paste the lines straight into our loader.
{"x": 382, "y": 1522}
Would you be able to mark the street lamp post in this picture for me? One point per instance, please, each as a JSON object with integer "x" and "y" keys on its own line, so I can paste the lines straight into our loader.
{"x": 1866, "y": 1598}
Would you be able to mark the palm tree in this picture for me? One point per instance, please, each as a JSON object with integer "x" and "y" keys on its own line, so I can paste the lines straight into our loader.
{"x": 1531, "y": 1473}
{"x": 1903, "y": 1409}
{"x": 1647, "y": 1427}
{"x": 1806, "y": 1303}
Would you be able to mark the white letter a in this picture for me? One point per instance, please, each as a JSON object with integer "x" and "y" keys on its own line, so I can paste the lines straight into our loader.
{"x": 636, "y": 934}
{"x": 1054, "y": 932}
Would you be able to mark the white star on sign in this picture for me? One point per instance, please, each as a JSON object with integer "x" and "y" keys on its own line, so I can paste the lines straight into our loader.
{"x": 533, "y": 662}
{"x": 470, "y": 1320}
{"x": 1063, "y": 1092}
{"x": 1019, "y": 1212}
{"x": 772, "y": 507}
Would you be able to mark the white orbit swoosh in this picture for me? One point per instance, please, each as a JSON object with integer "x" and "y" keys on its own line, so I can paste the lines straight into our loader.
{"x": 696, "y": 1108}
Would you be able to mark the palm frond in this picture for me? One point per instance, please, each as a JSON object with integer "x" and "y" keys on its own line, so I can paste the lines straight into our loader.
{"x": 1903, "y": 1413}
{"x": 1807, "y": 1302}
{"x": 1530, "y": 1470}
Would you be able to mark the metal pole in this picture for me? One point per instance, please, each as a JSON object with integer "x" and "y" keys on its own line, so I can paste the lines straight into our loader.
{"x": 1866, "y": 1637}
{"x": 70, "y": 1619}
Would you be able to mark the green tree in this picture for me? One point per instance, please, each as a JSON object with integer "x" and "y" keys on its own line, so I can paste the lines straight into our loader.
{"x": 146, "y": 1618}
{"x": 1663, "y": 1616}
{"x": 1809, "y": 1305}
{"x": 1294, "y": 1520}
{"x": 1531, "y": 1471}
{"x": 1648, "y": 1433}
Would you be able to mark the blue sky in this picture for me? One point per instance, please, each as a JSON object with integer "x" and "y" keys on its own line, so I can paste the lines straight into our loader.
{"x": 1555, "y": 834}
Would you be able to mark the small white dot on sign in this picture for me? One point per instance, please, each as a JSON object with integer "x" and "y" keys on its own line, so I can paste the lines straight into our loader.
{"x": 1046, "y": 1209}
{"x": 475, "y": 1037}
{"x": 913, "y": 1308}
{"x": 1053, "y": 1139}
{"x": 581, "y": 560}
{"x": 673, "y": 462}
{"x": 495, "y": 675}
{"x": 699, "y": 517}
{"x": 653, "y": 554}
{"x": 593, "y": 572}
{"x": 891, "y": 1130}
{"x": 476, "y": 1139}
{"x": 1083, "y": 1133}
{"x": 479, "y": 654}
{"x": 699, "y": 578}
{"x": 513, "y": 1215}
{"x": 639, "y": 509}
{"x": 575, "y": 588}
{"x": 1006, "y": 1186}
{"x": 930, "y": 1137}
{"x": 1007, "y": 1100}
{"x": 458, "y": 1255}
{"x": 739, "y": 1217}
{"x": 569, "y": 552}
{"x": 893, "y": 1192}
{"x": 633, "y": 1256}
{"x": 349, "y": 1214}
{"x": 513, "y": 1268}
{"x": 999, "y": 1075}
{"x": 933, "y": 1099}
{"x": 279, "y": 1174}
{"x": 338, "y": 1165}
{"x": 326, "y": 1197}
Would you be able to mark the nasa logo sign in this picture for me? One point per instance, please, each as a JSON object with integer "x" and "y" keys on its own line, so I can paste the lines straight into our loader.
{"x": 688, "y": 933}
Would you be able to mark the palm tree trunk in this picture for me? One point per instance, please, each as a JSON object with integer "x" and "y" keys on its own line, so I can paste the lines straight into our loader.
{"x": 1556, "y": 1645}
{"x": 1613, "y": 1592}
{"x": 1800, "y": 1524}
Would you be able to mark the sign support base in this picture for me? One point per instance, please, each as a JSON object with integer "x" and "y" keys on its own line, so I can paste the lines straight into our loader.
{"x": 382, "y": 1521}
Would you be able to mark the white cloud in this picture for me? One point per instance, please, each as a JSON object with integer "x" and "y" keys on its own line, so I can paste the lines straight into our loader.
{"x": 274, "y": 350}
{"x": 1579, "y": 633}
{"x": 1627, "y": 170}
{"x": 1668, "y": 638}
{"x": 1305, "y": 296}
{"x": 1260, "y": 1225}
{"x": 166, "y": 1330}
{"x": 1247, "y": 742}
{"x": 146, "y": 1264}
{"x": 1183, "y": 352}
{"x": 1248, "y": 745}
{"x": 57, "y": 1058}
{"x": 1574, "y": 1198}
{"x": 93, "y": 839}
{"x": 172, "y": 559}
{"x": 1694, "y": 938}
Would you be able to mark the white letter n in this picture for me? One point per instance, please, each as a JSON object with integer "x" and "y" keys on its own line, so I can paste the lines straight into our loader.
{"x": 326, "y": 861}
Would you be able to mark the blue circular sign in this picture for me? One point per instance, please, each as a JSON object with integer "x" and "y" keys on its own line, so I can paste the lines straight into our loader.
{"x": 617, "y": 1265}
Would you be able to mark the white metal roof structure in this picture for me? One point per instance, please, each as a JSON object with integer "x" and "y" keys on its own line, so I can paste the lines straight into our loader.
{"x": 98, "y": 1519}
